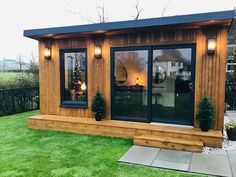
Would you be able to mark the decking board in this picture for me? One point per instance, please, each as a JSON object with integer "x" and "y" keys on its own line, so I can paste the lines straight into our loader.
{"x": 122, "y": 129}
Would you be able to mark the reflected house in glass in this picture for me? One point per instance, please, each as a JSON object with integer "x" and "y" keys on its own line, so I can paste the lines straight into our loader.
{"x": 150, "y": 71}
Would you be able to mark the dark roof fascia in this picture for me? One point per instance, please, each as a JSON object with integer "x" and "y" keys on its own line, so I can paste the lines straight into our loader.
{"x": 121, "y": 25}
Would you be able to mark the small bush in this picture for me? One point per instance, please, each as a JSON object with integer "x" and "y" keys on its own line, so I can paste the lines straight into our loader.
{"x": 98, "y": 105}
{"x": 206, "y": 113}
{"x": 230, "y": 126}
{"x": 206, "y": 110}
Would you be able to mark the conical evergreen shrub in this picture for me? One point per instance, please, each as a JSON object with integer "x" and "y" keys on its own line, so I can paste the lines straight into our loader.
{"x": 206, "y": 113}
{"x": 98, "y": 106}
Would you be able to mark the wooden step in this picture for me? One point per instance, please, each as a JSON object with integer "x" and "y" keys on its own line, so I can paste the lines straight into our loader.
{"x": 169, "y": 143}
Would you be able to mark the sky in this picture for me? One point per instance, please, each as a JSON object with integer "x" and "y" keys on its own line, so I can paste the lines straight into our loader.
{"x": 18, "y": 15}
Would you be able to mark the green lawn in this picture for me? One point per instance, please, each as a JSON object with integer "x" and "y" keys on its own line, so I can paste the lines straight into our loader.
{"x": 6, "y": 76}
{"x": 31, "y": 153}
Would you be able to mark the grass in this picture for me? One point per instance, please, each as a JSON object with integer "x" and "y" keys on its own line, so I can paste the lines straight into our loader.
{"x": 6, "y": 76}
{"x": 32, "y": 153}
{"x": 14, "y": 79}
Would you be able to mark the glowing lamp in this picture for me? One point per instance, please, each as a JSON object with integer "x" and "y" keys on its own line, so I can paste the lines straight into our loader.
{"x": 211, "y": 46}
{"x": 83, "y": 87}
{"x": 47, "y": 53}
{"x": 47, "y": 49}
{"x": 137, "y": 81}
{"x": 98, "y": 51}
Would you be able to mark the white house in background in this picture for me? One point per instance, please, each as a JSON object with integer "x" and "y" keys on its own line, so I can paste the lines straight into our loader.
{"x": 231, "y": 60}
{"x": 231, "y": 57}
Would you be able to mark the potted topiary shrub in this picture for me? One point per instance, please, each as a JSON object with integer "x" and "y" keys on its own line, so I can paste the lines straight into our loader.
{"x": 206, "y": 113}
{"x": 230, "y": 128}
{"x": 98, "y": 106}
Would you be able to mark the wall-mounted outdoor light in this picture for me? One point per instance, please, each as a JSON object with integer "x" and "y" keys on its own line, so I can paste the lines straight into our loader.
{"x": 47, "y": 49}
{"x": 47, "y": 53}
{"x": 98, "y": 42}
{"x": 98, "y": 51}
{"x": 211, "y": 46}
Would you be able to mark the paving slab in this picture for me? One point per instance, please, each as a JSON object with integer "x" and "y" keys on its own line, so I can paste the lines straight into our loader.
{"x": 219, "y": 152}
{"x": 232, "y": 116}
{"x": 218, "y": 162}
{"x": 174, "y": 156}
{"x": 232, "y": 156}
{"x": 171, "y": 165}
{"x": 232, "y": 161}
{"x": 233, "y": 168}
{"x": 140, "y": 155}
{"x": 212, "y": 164}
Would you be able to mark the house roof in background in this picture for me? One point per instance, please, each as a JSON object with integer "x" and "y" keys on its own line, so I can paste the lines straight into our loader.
{"x": 131, "y": 24}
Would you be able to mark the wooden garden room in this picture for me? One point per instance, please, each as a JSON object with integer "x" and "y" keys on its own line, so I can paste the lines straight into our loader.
{"x": 151, "y": 73}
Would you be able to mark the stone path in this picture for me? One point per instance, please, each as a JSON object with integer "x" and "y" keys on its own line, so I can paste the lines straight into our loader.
{"x": 231, "y": 115}
{"x": 219, "y": 162}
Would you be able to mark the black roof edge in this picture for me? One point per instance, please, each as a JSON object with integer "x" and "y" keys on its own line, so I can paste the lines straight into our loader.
{"x": 119, "y": 25}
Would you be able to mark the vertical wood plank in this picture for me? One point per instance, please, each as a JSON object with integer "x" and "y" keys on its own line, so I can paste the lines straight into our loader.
{"x": 198, "y": 73}
{"x": 222, "y": 78}
{"x": 107, "y": 77}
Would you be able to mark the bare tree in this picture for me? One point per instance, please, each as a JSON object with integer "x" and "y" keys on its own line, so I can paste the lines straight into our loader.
{"x": 4, "y": 64}
{"x": 138, "y": 9}
{"x": 33, "y": 66}
{"x": 164, "y": 10}
{"x": 20, "y": 62}
{"x": 101, "y": 15}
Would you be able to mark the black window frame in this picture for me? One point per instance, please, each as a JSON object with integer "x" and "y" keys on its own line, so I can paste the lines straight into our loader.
{"x": 112, "y": 67}
{"x": 72, "y": 104}
{"x": 150, "y": 49}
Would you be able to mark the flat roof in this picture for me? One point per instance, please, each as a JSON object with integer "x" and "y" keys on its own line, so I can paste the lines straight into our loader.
{"x": 131, "y": 24}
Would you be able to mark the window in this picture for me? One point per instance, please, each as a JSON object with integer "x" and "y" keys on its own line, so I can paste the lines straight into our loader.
{"x": 130, "y": 84}
{"x": 172, "y": 87}
{"x": 73, "y": 77}
{"x": 153, "y": 83}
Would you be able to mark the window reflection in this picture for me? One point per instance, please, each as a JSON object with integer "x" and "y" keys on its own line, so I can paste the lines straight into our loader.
{"x": 75, "y": 77}
{"x": 172, "y": 85}
{"x": 130, "y": 87}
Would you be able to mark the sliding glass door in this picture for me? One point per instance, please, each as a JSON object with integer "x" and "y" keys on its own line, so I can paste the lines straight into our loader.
{"x": 172, "y": 85}
{"x": 153, "y": 84}
{"x": 130, "y": 74}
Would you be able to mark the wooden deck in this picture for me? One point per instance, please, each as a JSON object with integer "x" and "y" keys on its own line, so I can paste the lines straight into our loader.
{"x": 157, "y": 135}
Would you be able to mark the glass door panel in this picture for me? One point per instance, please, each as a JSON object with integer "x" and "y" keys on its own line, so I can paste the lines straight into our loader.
{"x": 172, "y": 86}
{"x": 130, "y": 80}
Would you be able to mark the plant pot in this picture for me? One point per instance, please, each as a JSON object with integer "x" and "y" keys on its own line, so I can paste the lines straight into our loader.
{"x": 98, "y": 117}
{"x": 204, "y": 125}
{"x": 231, "y": 134}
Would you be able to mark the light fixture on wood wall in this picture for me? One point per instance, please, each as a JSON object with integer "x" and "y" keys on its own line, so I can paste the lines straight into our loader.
{"x": 98, "y": 51}
{"x": 47, "y": 49}
{"x": 211, "y": 46}
{"x": 98, "y": 42}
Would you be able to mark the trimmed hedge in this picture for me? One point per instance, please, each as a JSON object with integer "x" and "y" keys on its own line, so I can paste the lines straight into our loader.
{"x": 18, "y": 100}
{"x": 230, "y": 96}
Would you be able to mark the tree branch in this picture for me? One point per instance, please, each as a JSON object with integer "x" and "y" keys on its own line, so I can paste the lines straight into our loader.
{"x": 164, "y": 10}
{"x": 138, "y": 10}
